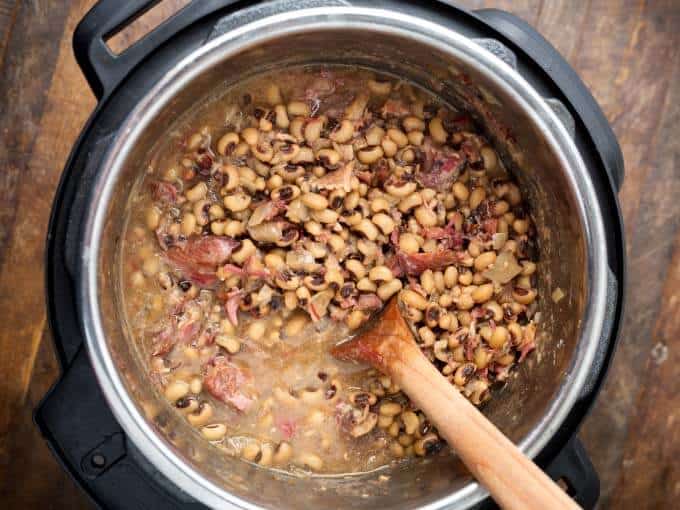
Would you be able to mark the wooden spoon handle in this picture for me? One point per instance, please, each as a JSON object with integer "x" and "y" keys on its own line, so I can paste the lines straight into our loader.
{"x": 514, "y": 481}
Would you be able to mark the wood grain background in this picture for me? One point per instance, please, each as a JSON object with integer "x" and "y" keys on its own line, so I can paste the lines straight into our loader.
{"x": 628, "y": 53}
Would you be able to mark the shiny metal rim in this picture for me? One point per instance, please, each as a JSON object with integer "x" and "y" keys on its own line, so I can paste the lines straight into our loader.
{"x": 122, "y": 405}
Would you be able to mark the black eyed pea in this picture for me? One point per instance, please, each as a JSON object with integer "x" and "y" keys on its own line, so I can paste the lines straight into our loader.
{"x": 251, "y": 451}
{"x": 405, "y": 440}
{"x": 232, "y": 178}
{"x": 356, "y": 108}
{"x": 385, "y": 421}
{"x": 366, "y": 285}
{"x": 374, "y": 135}
{"x": 482, "y": 357}
{"x": 151, "y": 265}
{"x": 513, "y": 195}
{"x": 520, "y": 226}
{"x": 176, "y": 390}
{"x": 250, "y": 135}
{"x": 314, "y": 201}
{"x": 495, "y": 309}
{"x": 408, "y": 243}
{"x": 429, "y": 444}
{"x": 313, "y": 227}
{"x": 343, "y": 133}
{"x": 380, "y": 274}
{"x": 196, "y": 193}
{"x": 464, "y": 302}
{"x": 367, "y": 228}
{"x": 281, "y": 117}
{"x": 412, "y": 123}
{"x": 413, "y": 299}
{"x": 379, "y": 204}
{"x": 482, "y": 293}
{"x": 309, "y": 460}
{"x": 437, "y": 132}
{"x": 523, "y": 296}
{"x": 201, "y": 416}
{"x": 214, "y": 431}
{"x": 370, "y": 155}
{"x": 296, "y": 128}
{"x": 410, "y": 421}
{"x": 153, "y": 218}
{"x": 367, "y": 248}
{"x": 425, "y": 216}
{"x": 215, "y": 212}
{"x": 227, "y": 143}
{"x": 464, "y": 277}
{"x": 445, "y": 300}
{"x": 282, "y": 453}
{"x": 266, "y": 455}
{"x": 246, "y": 250}
{"x": 489, "y": 157}
{"x": 336, "y": 243}
{"x": 263, "y": 151}
{"x": 464, "y": 373}
{"x": 188, "y": 224}
{"x": 352, "y": 200}
{"x": 389, "y": 147}
{"x": 427, "y": 281}
{"x": 200, "y": 211}
{"x": 237, "y": 202}
{"x": 398, "y": 137}
{"x": 426, "y": 335}
{"x": 384, "y": 222}
{"x": 356, "y": 268}
{"x": 401, "y": 189}
{"x": 389, "y": 408}
{"x": 484, "y": 260}
{"x": 500, "y": 208}
{"x": 313, "y": 129}
{"x": 450, "y": 276}
{"x": 328, "y": 157}
{"x": 234, "y": 228}
{"x": 416, "y": 138}
{"x": 295, "y": 324}
{"x": 298, "y": 108}
{"x": 499, "y": 338}
{"x": 460, "y": 191}
{"x": 476, "y": 197}
{"x": 364, "y": 427}
{"x": 379, "y": 88}
{"x": 389, "y": 289}
{"x": 409, "y": 202}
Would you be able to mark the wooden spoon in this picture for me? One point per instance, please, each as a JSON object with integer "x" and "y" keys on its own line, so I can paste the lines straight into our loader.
{"x": 513, "y": 480}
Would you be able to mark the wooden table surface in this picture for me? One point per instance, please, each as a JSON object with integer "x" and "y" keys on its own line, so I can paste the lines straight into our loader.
{"x": 627, "y": 52}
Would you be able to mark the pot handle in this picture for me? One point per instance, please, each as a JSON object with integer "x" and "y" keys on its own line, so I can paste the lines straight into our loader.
{"x": 573, "y": 467}
{"x": 78, "y": 426}
{"x": 523, "y": 36}
{"x": 102, "y": 68}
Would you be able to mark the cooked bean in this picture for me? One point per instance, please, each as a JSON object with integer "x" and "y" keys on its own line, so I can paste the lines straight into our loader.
{"x": 408, "y": 243}
{"x": 298, "y": 108}
{"x": 437, "y": 131}
{"x": 237, "y": 202}
{"x": 214, "y": 432}
{"x": 412, "y": 123}
{"x": 484, "y": 260}
{"x": 411, "y": 298}
{"x": 380, "y": 274}
{"x": 384, "y": 222}
{"x": 231, "y": 344}
{"x": 402, "y": 190}
{"x": 409, "y": 202}
{"x": 344, "y": 133}
{"x": 368, "y": 156}
{"x": 387, "y": 290}
{"x": 176, "y": 390}
{"x": 309, "y": 460}
{"x": 398, "y": 136}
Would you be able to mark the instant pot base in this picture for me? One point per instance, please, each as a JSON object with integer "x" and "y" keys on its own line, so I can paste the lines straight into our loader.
{"x": 77, "y": 420}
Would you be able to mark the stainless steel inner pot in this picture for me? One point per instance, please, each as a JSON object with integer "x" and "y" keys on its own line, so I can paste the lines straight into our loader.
{"x": 572, "y": 251}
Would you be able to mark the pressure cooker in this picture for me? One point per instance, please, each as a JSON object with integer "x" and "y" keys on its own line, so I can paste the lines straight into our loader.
{"x": 102, "y": 419}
